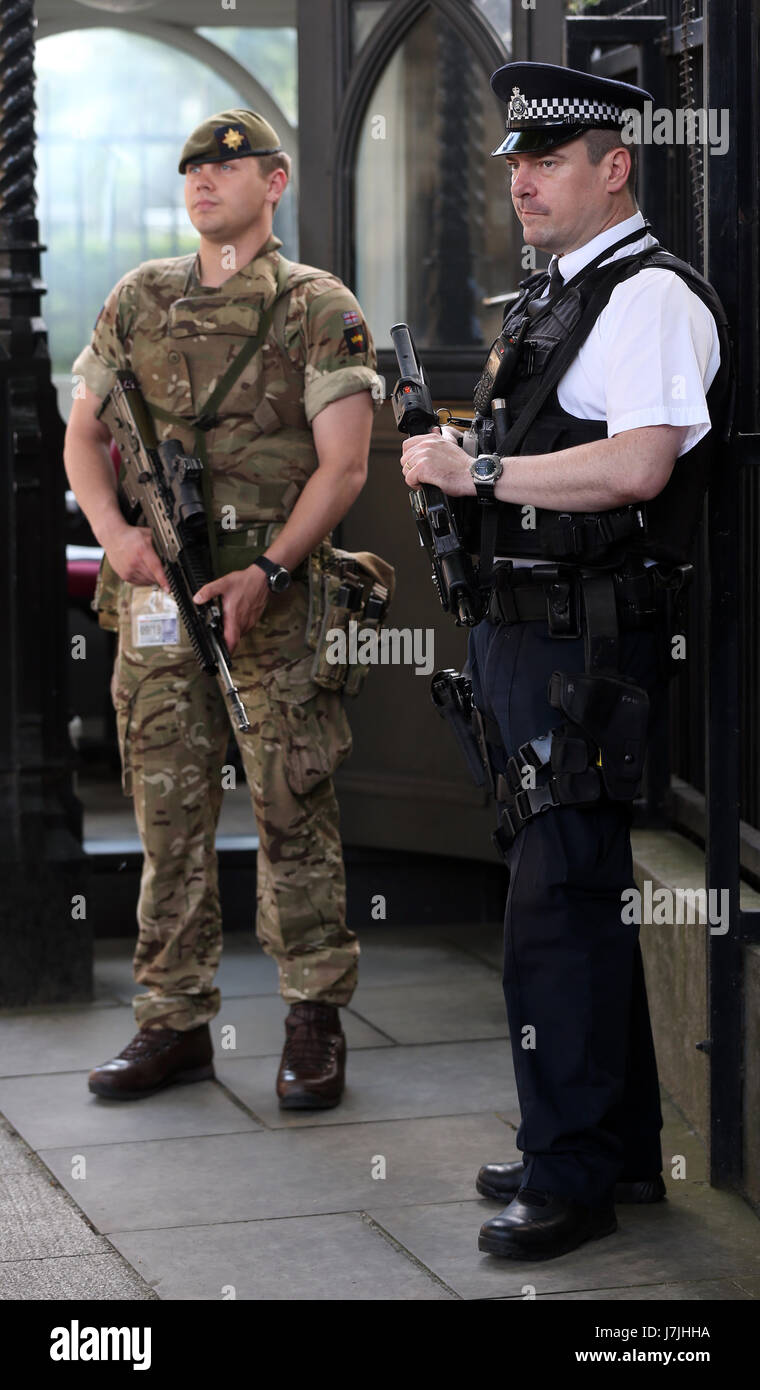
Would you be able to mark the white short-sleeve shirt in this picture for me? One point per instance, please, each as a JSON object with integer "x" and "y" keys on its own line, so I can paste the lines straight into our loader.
{"x": 652, "y": 354}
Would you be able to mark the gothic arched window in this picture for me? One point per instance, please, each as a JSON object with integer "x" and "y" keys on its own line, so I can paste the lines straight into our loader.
{"x": 434, "y": 236}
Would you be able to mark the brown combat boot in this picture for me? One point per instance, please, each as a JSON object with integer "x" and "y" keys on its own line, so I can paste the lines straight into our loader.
{"x": 155, "y": 1058}
{"x": 313, "y": 1068}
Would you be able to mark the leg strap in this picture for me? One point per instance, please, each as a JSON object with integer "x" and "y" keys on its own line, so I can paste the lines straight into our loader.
{"x": 560, "y": 768}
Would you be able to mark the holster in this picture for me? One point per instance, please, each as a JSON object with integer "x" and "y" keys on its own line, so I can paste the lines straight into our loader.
{"x": 451, "y": 694}
{"x": 345, "y": 588}
{"x": 613, "y": 713}
{"x": 670, "y": 588}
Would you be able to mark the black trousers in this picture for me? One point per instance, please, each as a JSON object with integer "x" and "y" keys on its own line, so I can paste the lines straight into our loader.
{"x": 573, "y": 978}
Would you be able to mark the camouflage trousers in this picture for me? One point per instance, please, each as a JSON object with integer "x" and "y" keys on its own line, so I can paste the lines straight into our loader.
{"x": 173, "y": 732}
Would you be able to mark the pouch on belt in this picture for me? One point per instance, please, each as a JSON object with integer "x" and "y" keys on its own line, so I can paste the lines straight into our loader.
{"x": 345, "y": 588}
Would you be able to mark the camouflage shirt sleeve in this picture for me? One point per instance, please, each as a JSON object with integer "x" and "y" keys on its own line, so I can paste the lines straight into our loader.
{"x": 338, "y": 351}
{"x": 107, "y": 350}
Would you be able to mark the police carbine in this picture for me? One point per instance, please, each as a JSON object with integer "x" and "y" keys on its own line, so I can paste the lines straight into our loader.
{"x": 163, "y": 484}
{"x": 453, "y": 571}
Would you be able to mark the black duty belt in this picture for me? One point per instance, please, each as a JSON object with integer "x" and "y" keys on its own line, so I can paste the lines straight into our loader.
{"x": 552, "y": 594}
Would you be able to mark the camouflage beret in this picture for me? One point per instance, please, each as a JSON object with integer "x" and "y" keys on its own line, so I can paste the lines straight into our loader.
{"x": 229, "y": 135}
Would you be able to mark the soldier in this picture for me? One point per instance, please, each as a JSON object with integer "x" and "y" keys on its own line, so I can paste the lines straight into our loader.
{"x": 287, "y": 448}
{"x": 605, "y": 392}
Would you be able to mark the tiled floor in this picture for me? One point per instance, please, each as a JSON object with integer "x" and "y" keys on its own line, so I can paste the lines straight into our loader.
{"x": 203, "y": 1189}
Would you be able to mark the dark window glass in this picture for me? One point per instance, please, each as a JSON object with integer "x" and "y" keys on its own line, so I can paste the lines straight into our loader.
{"x": 435, "y": 234}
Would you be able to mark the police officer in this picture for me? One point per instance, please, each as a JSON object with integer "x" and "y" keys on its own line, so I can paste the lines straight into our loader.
{"x": 287, "y": 451}
{"x": 599, "y": 404}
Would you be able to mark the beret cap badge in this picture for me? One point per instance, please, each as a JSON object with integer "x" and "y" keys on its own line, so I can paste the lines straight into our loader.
{"x": 232, "y": 139}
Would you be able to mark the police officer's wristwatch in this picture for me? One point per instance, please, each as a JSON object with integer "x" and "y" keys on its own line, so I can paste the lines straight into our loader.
{"x": 278, "y": 578}
{"x": 485, "y": 470}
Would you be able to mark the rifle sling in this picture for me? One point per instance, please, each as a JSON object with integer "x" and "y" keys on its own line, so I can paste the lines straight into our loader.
{"x": 561, "y": 361}
{"x": 488, "y": 530}
{"x": 205, "y": 418}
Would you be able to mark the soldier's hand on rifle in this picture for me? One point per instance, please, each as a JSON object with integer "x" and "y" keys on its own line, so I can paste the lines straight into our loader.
{"x": 430, "y": 458}
{"x": 132, "y": 555}
{"x": 244, "y": 594}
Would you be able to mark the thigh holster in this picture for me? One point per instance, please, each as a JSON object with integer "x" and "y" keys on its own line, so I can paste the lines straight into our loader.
{"x": 598, "y": 750}
{"x": 613, "y": 713}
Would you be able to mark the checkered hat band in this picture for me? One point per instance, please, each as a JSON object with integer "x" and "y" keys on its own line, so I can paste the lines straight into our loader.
{"x": 546, "y": 109}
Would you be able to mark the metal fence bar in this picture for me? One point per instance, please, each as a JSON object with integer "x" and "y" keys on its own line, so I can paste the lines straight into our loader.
{"x": 727, "y": 40}
{"x": 731, "y": 76}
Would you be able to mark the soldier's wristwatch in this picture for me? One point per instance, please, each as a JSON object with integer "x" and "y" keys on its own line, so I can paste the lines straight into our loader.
{"x": 485, "y": 470}
{"x": 278, "y": 578}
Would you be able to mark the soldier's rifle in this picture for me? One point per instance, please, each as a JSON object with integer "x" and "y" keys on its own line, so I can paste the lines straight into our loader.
{"x": 161, "y": 483}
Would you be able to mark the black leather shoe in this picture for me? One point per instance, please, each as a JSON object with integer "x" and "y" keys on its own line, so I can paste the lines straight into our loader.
{"x": 641, "y": 1190}
{"x": 502, "y": 1180}
{"x": 540, "y": 1226}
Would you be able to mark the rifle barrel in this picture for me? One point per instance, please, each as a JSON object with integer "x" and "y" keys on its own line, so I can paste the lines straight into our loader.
{"x": 230, "y": 689}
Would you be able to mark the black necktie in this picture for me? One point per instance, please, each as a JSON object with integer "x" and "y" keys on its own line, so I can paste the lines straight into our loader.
{"x": 556, "y": 285}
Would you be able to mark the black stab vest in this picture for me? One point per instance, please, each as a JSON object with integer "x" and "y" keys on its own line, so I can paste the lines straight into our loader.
{"x": 673, "y": 516}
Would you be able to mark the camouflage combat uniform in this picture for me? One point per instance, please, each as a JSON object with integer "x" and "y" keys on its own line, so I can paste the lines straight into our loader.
{"x": 178, "y": 337}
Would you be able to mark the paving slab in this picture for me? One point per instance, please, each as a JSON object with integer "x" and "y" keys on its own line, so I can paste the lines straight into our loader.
{"x": 398, "y": 956}
{"x": 700, "y": 1233}
{"x": 484, "y": 941}
{"x": 61, "y": 1040}
{"x": 387, "y": 1083}
{"x": 59, "y": 1110}
{"x": 435, "y": 1013}
{"x": 750, "y": 1284}
{"x": 306, "y": 1258}
{"x": 245, "y": 1177}
{"x": 702, "y": 1291}
{"x": 102, "y": 1277}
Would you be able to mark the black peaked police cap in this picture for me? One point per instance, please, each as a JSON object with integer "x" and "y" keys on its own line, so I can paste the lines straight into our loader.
{"x": 549, "y": 105}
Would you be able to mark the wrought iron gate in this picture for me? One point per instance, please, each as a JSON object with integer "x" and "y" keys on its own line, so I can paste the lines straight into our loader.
{"x": 705, "y": 208}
